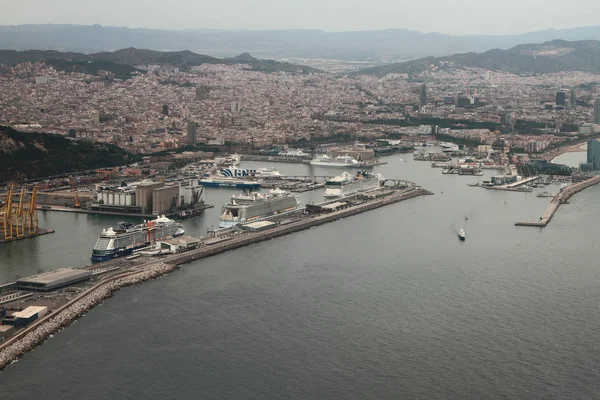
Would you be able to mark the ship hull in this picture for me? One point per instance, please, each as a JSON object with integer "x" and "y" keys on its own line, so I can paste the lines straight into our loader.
{"x": 236, "y": 185}
{"x": 328, "y": 164}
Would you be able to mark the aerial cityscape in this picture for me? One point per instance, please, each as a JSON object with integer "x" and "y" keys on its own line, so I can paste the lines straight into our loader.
{"x": 333, "y": 213}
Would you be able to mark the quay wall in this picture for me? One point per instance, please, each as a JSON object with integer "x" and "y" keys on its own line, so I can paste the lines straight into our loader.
{"x": 281, "y": 159}
{"x": 32, "y": 336}
{"x": 39, "y": 331}
{"x": 293, "y": 227}
{"x": 561, "y": 198}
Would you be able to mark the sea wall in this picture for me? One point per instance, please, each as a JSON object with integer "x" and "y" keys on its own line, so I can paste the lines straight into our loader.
{"x": 293, "y": 227}
{"x": 37, "y": 333}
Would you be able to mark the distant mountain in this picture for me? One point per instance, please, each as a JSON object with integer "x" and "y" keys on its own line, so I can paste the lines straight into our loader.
{"x": 122, "y": 62}
{"x": 390, "y": 45}
{"x": 554, "y": 56}
{"x": 35, "y": 155}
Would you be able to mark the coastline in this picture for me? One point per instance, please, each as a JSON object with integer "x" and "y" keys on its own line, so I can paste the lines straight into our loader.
{"x": 553, "y": 155}
{"x": 38, "y": 332}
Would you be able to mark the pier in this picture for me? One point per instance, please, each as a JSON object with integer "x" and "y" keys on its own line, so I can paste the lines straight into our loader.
{"x": 561, "y": 198}
{"x": 110, "y": 276}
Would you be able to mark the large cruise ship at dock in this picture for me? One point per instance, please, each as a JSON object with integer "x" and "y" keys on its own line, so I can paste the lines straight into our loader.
{"x": 347, "y": 184}
{"x": 339, "y": 161}
{"x": 251, "y": 206}
{"x": 230, "y": 183}
{"x": 233, "y": 177}
{"x": 123, "y": 239}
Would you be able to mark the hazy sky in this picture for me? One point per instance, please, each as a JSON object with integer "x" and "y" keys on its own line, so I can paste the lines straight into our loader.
{"x": 446, "y": 16}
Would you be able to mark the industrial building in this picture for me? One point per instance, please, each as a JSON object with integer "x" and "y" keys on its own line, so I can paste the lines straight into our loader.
{"x": 597, "y": 111}
{"x": 53, "y": 280}
{"x": 259, "y": 226}
{"x": 180, "y": 244}
{"x": 23, "y": 318}
{"x": 147, "y": 197}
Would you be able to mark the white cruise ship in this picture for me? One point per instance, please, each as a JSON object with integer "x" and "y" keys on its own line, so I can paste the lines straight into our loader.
{"x": 339, "y": 161}
{"x": 347, "y": 184}
{"x": 252, "y": 206}
{"x": 122, "y": 240}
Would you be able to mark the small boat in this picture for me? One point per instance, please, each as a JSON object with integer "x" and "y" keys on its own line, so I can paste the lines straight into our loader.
{"x": 462, "y": 235}
{"x": 545, "y": 194}
{"x": 466, "y": 216}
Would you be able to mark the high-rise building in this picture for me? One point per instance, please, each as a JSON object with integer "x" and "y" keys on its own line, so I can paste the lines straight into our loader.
{"x": 165, "y": 110}
{"x": 561, "y": 98}
{"x": 185, "y": 113}
{"x": 597, "y": 111}
{"x": 192, "y": 126}
{"x": 573, "y": 97}
{"x": 593, "y": 154}
{"x": 423, "y": 97}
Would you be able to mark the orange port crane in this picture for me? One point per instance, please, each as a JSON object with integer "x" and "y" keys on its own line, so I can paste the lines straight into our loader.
{"x": 18, "y": 217}
{"x": 31, "y": 216}
{"x": 6, "y": 212}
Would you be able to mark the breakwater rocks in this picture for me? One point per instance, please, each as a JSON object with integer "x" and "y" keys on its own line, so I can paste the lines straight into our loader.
{"x": 38, "y": 332}
{"x": 301, "y": 225}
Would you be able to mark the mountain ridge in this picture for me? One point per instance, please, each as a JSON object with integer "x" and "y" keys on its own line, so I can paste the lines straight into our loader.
{"x": 123, "y": 62}
{"x": 389, "y": 44}
{"x": 553, "y": 56}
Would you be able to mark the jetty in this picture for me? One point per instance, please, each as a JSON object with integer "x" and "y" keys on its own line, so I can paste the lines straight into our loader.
{"x": 561, "y": 198}
{"x": 103, "y": 279}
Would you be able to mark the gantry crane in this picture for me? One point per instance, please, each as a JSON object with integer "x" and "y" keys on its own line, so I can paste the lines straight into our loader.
{"x": 6, "y": 212}
{"x": 31, "y": 217}
{"x": 18, "y": 217}
{"x": 14, "y": 220}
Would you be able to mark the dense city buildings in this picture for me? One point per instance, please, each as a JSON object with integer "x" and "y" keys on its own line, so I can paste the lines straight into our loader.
{"x": 232, "y": 103}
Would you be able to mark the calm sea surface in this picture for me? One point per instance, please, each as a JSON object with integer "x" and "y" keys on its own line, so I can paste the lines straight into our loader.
{"x": 386, "y": 304}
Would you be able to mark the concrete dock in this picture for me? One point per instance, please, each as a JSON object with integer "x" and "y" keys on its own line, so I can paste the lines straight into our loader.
{"x": 114, "y": 274}
{"x": 562, "y": 197}
{"x": 40, "y": 232}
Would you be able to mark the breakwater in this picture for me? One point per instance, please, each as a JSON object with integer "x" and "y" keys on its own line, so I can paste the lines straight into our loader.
{"x": 279, "y": 159}
{"x": 561, "y": 198}
{"x": 251, "y": 238}
{"x": 39, "y": 331}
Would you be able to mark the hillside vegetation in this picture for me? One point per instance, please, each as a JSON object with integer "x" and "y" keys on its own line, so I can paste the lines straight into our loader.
{"x": 37, "y": 155}
{"x": 123, "y": 62}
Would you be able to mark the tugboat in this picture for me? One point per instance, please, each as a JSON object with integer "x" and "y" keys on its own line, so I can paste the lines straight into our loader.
{"x": 462, "y": 235}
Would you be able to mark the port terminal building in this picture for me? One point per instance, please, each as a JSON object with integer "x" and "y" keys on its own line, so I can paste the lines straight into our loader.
{"x": 52, "y": 280}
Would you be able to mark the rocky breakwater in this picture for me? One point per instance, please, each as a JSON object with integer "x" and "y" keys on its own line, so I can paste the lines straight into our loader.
{"x": 37, "y": 333}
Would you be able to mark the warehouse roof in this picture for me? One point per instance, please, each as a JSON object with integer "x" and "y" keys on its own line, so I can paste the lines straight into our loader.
{"x": 29, "y": 311}
{"x": 56, "y": 275}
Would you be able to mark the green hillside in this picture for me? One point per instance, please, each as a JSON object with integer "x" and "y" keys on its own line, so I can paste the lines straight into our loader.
{"x": 37, "y": 155}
